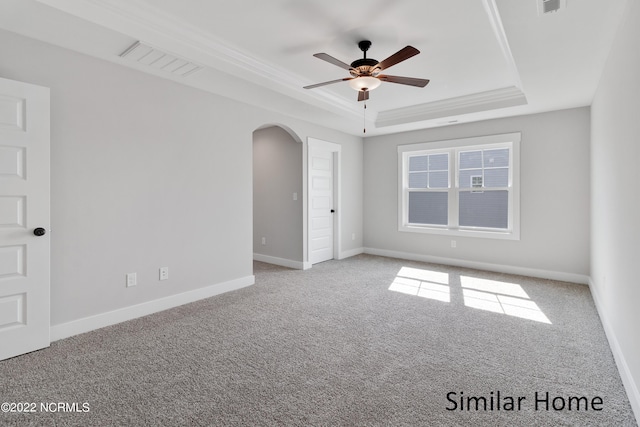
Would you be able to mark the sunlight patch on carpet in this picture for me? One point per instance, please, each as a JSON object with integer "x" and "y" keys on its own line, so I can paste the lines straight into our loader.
{"x": 500, "y": 297}
{"x": 423, "y": 283}
{"x": 483, "y": 294}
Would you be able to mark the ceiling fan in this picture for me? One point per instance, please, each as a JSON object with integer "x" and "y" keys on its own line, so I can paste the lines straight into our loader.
{"x": 365, "y": 72}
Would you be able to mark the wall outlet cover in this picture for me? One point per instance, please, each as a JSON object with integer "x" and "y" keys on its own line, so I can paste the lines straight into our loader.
{"x": 132, "y": 279}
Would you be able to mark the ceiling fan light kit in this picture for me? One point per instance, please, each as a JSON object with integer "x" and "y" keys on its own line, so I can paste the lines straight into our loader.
{"x": 365, "y": 72}
{"x": 364, "y": 83}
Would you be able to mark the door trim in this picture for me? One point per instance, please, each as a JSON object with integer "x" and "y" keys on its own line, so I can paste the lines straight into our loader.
{"x": 336, "y": 150}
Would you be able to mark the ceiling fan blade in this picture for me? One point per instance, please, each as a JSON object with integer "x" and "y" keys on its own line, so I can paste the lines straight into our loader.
{"x": 404, "y": 53}
{"x": 363, "y": 95}
{"x": 411, "y": 81}
{"x": 330, "y": 59}
{"x": 328, "y": 83}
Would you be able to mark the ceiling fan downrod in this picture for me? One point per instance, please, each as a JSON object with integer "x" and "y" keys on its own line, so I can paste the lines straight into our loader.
{"x": 366, "y": 63}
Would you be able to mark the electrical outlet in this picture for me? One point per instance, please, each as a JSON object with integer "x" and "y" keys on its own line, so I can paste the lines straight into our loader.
{"x": 264, "y": 240}
{"x": 295, "y": 196}
{"x": 132, "y": 279}
{"x": 164, "y": 273}
{"x": 353, "y": 236}
{"x": 453, "y": 243}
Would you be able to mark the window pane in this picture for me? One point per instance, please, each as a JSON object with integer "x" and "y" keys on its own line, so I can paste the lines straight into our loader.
{"x": 439, "y": 179}
{"x": 470, "y": 159}
{"x": 418, "y": 180}
{"x": 484, "y": 209}
{"x": 496, "y": 158}
{"x": 428, "y": 208}
{"x": 496, "y": 177}
{"x": 439, "y": 162}
{"x": 466, "y": 177}
{"x": 418, "y": 163}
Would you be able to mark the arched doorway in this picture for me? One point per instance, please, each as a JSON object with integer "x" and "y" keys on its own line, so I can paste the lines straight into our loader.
{"x": 279, "y": 202}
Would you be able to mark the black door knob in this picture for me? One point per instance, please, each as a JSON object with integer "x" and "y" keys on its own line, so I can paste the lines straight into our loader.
{"x": 39, "y": 231}
{"x": 332, "y": 210}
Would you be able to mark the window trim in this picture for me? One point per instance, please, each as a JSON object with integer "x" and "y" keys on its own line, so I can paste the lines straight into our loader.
{"x": 454, "y": 147}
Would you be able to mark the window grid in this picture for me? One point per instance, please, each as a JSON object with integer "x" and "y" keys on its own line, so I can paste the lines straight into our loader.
{"x": 429, "y": 170}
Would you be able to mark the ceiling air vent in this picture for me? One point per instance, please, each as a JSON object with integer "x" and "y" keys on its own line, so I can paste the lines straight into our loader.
{"x": 548, "y": 6}
{"x": 155, "y": 58}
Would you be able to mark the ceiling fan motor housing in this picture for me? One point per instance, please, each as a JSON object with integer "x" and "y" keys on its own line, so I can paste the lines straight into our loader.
{"x": 363, "y": 67}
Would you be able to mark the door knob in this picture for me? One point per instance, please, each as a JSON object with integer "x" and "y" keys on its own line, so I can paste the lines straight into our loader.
{"x": 39, "y": 231}
{"x": 332, "y": 210}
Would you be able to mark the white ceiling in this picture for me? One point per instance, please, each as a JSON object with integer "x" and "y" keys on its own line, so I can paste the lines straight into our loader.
{"x": 485, "y": 58}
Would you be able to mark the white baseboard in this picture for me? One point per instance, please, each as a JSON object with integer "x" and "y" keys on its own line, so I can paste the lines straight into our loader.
{"x": 298, "y": 265}
{"x": 350, "y": 253}
{"x": 523, "y": 271}
{"x": 301, "y": 265}
{"x": 86, "y": 324}
{"x": 623, "y": 368}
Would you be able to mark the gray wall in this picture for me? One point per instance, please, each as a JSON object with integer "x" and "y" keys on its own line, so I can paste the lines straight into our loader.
{"x": 146, "y": 173}
{"x": 277, "y": 174}
{"x": 615, "y": 203}
{"x": 554, "y": 194}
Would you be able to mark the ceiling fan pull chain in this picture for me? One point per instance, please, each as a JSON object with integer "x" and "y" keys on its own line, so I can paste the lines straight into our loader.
{"x": 364, "y": 118}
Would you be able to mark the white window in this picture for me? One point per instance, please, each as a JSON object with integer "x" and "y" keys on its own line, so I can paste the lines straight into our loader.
{"x": 464, "y": 187}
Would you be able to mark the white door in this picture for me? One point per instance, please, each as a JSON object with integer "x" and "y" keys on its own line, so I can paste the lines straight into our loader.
{"x": 321, "y": 208}
{"x": 24, "y": 207}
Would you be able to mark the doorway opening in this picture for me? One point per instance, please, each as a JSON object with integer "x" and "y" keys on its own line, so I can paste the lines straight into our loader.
{"x": 278, "y": 197}
{"x": 296, "y": 194}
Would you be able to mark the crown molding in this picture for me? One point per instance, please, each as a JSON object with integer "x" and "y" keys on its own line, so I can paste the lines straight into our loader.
{"x": 147, "y": 24}
{"x": 498, "y": 29}
{"x": 481, "y": 101}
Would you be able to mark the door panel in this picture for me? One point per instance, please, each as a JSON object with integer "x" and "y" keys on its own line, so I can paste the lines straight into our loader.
{"x": 24, "y": 206}
{"x": 321, "y": 198}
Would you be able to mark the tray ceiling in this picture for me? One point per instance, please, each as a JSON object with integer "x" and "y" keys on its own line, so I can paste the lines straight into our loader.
{"x": 485, "y": 59}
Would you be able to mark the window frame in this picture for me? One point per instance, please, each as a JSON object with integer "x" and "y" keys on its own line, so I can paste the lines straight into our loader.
{"x": 454, "y": 148}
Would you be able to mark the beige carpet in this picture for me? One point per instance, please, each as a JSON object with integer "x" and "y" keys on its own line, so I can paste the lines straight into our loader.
{"x": 367, "y": 341}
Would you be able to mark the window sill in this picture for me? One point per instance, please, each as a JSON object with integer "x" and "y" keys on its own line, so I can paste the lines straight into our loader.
{"x": 485, "y": 234}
